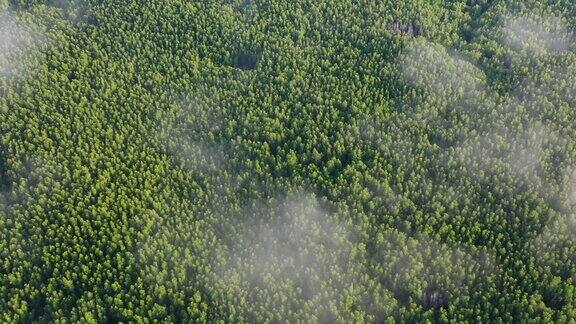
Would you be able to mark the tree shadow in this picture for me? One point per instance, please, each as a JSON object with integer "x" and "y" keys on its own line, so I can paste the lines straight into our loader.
{"x": 246, "y": 59}
{"x": 5, "y": 182}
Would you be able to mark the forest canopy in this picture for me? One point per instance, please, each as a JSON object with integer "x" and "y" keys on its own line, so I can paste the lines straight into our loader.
{"x": 287, "y": 161}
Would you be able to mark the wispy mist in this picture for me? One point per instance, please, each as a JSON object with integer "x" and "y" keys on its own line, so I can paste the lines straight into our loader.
{"x": 413, "y": 266}
{"x": 293, "y": 257}
{"x": 520, "y": 139}
{"x": 570, "y": 185}
{"x": 16, "y": 41}
{"x": 448, "y": 76}
{"x": 538, "y": 34}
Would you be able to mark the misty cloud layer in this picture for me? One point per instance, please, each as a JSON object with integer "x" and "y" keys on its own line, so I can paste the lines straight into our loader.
{"x": 300, "y": 252}
{"x": 516, "y": 137}
{"x": 570, "y": 185}
{"x": 446, "y": 75}
{"x": 509, "y": 140}
{"x": 413, "y": 264}
{"x": 16, "y": 41}
{"x": 538, "y": 35}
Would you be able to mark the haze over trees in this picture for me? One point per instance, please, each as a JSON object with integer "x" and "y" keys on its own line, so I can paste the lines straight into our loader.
{"x": 285, "y": 161}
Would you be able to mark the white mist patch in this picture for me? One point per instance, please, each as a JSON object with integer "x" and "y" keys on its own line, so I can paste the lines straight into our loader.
{"x": 519, "y": 156}
{"x": 446, "y": 75}
{"x": 16, "y": 41}
{"x": 293, "y": 259}
{"x": 525, "y": 152}
{"x": 189, "y": 134}
{"x": 198, "y": 156}
{"x": 550, "y": 95}
{"x": 538, "y": 35}
{"x": 570, "y": 185}
{"x": 413, "y": 267}
{"x": 190, "y": 139}
{"x": 563, "y": 228}
{"x": 290, "y": 248}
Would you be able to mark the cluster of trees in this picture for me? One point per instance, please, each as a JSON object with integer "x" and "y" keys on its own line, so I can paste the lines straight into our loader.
{"x": 266, "y": 160}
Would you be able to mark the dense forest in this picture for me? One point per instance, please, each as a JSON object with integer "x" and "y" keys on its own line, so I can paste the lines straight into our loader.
{"x": 287, "y": 161}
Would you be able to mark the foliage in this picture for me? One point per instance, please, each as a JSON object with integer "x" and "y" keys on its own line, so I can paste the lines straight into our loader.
{"x": 265, "y": 160}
